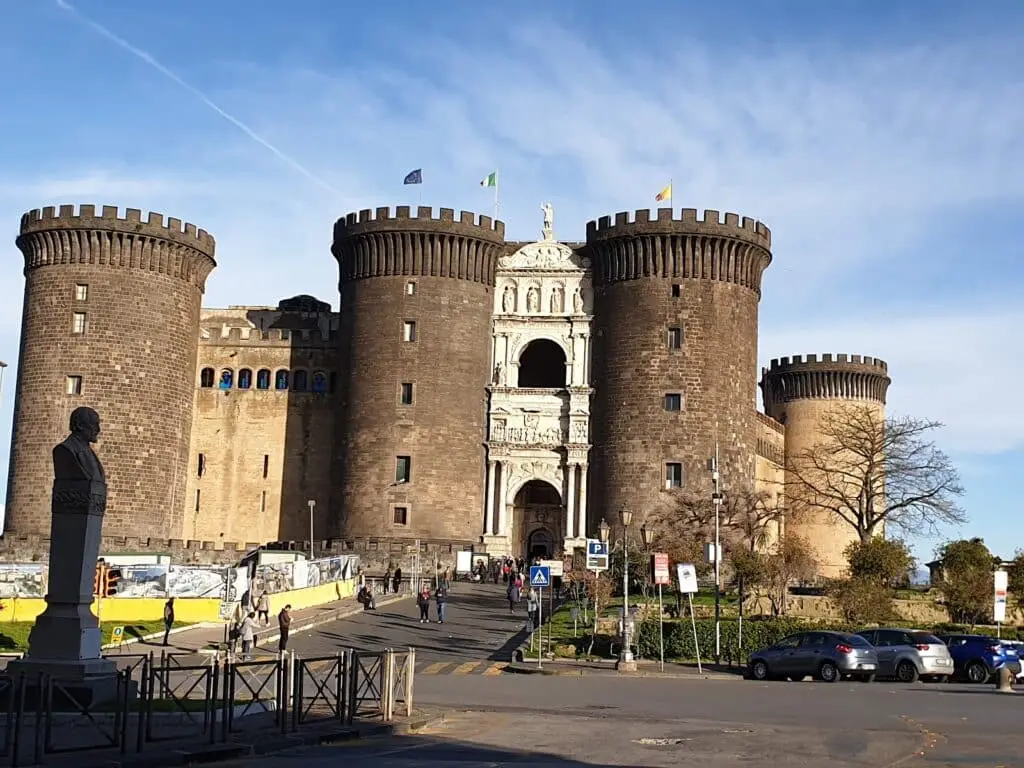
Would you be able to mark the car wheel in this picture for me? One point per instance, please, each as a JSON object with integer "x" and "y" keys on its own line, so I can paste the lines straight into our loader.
{"x": 906, "y": 672}
{"x": 977, "y": 672}
{"x": 828, "y": 672}
{"x": 759, "y": 670}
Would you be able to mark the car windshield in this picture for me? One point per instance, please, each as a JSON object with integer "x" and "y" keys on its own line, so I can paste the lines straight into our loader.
{"x": 925, "y": 638}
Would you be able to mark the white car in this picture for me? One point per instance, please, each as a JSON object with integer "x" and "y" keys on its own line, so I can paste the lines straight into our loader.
{"x": 1017, "y": 646}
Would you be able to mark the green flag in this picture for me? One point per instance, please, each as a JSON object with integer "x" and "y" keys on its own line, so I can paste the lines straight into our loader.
{"x": 491, "y": 180}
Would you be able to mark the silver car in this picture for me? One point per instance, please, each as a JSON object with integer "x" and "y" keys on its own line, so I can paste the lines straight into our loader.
{"x": 828, "y": 656}
{"x": 909, "y": 654}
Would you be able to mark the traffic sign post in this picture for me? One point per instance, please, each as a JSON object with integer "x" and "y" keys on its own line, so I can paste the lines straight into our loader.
{"x": 661, "y": 576}
{"x": 540, "y": 577}
{"x": 597, "y": 555}
{"x": 687, "y": 575}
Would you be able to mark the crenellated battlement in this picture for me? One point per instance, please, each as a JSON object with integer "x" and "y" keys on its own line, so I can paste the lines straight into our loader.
{"x": 827, "y": 376}
{"x": 372, "y": 244}
{"x": 712, "y": 223}
{"x": 829, "y": 361}
{"x": 274, "y": 337}
{"x": 403, "y": 218}
{"x": 156, "y": 225}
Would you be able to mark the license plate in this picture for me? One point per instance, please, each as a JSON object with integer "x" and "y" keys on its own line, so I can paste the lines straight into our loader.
{"x": 867, "y": 666}
{"x": 942, "y": 662}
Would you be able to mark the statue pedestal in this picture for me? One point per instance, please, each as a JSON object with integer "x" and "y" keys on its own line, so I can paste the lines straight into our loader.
{"x": 65, "y": 643}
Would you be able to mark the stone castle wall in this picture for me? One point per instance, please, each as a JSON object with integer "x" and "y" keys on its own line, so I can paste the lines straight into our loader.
{"x": 439, "y": 275}
{"x": 653, "y": 277}
{"x": 109, "y": 321}
{"x": 262, "y": 446}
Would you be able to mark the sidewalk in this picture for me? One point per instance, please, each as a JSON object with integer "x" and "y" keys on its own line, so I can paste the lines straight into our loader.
{"x": 645, "y": 668}
{"x": 206, "y": 637}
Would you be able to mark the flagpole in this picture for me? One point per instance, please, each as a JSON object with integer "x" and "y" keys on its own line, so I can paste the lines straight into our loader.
{"x": 671, "y": 194}
{"x": 497, "y": 178}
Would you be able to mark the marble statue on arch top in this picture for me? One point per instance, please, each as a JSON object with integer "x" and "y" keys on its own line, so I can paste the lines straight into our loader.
{"x": 548, "y": 232}
{"x": 66, "y": 640}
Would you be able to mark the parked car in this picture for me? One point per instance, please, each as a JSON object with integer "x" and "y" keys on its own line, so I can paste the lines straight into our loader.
{"x": 909, "y": 654}
{"x": 977, "y": 657}
{"x": 828, "y": 656}
{"x": 1018, "y": 646}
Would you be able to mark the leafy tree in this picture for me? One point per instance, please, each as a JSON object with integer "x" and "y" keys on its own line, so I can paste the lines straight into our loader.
{"x": 886, "y": 562}
{"x": 863, "y": 601}
{"x": 1016, "y": 573}
{"x": 792, "y": 562}
{"x": 873, "y": 473}
{"x": 966, "y": 580}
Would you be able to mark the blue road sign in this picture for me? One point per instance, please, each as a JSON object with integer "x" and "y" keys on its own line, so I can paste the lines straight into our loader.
{"x": 597, "y": 547}
{"x": 540, "y": 576}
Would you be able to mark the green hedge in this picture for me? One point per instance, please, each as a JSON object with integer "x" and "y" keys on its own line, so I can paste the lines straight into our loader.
{"x": 757, "y": 634}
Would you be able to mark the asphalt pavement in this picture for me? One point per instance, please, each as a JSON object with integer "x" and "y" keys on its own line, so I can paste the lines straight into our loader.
{"x": 606, "y": 720}
{"x": 477, "y": 638}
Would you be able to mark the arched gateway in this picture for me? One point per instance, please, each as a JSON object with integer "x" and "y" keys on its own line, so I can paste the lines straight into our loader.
{"x": 539, "y": 403}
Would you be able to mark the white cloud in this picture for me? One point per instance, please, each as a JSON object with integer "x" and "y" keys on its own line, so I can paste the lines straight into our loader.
{"x": 953, "y": 367}
{"x": 850, "y": 157}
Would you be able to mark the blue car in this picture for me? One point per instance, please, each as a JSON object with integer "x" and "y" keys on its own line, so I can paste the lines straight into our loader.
{"x": 977, "y": 657}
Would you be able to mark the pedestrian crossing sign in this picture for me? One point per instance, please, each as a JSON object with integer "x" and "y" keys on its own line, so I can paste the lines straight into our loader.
{"x": 540, "y": 576}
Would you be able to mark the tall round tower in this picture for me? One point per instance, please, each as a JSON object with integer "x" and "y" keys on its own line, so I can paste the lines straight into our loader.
{"x": 797, "y": 392}
{"x": 416, "y": 301}
{"x": 675, "y": 354}
{"x": 111, "y": 321}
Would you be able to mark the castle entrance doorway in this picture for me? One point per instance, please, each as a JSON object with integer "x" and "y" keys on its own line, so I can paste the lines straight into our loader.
{"x": 538, "y": 513}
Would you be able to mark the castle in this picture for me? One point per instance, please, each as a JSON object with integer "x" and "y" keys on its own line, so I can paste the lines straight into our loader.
{"x": 470, "y": 391}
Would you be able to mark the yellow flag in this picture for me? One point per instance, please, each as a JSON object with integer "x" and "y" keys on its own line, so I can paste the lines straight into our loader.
{"x": 665, "y": 194}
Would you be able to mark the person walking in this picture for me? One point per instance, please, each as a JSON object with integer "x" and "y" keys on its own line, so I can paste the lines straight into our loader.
{"x": 263, "y": 609}
{"x": 423, "y": 601}
{"x": 513, "y": 597}
{"x": 532, "y": 604}
{"x": 387, "y": 580}
{"x": 248, "y": 633}
{"x": 398, "y": 580}
{"x": 168, "y": 619}
{"x": 442, "y": 599}
{"x": 284, "y": 623}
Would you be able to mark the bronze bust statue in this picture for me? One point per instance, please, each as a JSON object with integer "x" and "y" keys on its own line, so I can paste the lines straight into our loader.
{"x": 74, "y": 459}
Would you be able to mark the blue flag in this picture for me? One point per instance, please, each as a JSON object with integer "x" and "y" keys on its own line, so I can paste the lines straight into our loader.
{"x": 414, "y": 177}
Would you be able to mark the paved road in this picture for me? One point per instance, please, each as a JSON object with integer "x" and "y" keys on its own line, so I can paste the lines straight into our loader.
{"x": 477, "y": 638}
{"x": 608, "y": 721}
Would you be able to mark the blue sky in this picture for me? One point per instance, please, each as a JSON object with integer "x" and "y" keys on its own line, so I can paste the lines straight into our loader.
{"x": 883, "y": 147}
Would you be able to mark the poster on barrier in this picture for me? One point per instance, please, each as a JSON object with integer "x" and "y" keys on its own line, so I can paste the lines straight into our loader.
{"x": 195, "y": 581}
{"x": 22, "y": 580}
{"x": 140, "y": 581}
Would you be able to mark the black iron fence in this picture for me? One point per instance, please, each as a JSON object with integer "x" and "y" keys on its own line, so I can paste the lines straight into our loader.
{"x": 155, "y": 699}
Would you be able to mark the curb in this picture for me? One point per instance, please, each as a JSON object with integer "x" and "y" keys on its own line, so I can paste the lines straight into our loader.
{"x": 158, "y": 635}
{"x": 571, "y": 669}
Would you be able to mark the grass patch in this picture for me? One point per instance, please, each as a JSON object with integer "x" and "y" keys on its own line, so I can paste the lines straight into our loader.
{"x": 14, "y": 636}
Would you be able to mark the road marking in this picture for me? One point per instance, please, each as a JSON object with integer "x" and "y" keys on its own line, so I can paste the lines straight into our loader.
{"x": 435, "y": 668}
{"x": 496, "y": 669}
{"x": 465, "y": 669}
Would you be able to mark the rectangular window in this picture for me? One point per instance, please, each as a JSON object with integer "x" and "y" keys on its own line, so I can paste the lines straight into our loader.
{"x": 266, "y": 466}
{"x": 197, "y": 500}
{"x": 673, "y": 401}
{"x": 677, "y": 291}
{"x": 673, "y": 475}
{"x": 401, "y": 516}
{"x": 403, "y": 469}
{"x": 675, "y": 338}
{"x": 409, "y": 330}
{"x": 263, "y": 502}
{"x": 81, "y": 292}
{"x": 407, "y": 393}
{"x": 201, "y": 468}
{"x": 79, "y": 324}
{"x": 410, "y": 288}
{"x": 73, "y": 385}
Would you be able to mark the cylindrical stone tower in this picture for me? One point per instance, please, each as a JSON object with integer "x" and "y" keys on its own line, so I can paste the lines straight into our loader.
{"x": 416, "y": 301}
{"x": 675, "y": 355}
{"x": 797, "y": 392}
{"x": 110, "y": 320}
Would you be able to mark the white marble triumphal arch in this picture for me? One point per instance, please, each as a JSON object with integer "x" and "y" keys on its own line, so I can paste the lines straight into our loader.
{"x": 539, "y": 412}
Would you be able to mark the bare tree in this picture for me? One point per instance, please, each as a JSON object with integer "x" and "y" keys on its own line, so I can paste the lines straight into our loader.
{"x": 792, "y": 562}
{"x": 747, "y": 519}
{"x": 871, "y": 473}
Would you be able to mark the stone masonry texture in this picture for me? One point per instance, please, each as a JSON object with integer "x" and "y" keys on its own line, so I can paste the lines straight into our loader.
{"x": 143, "y": 284}
{"x": 206, "y": 472}
{"x": 451, "y": 265}
{"x": 716, "y": 270}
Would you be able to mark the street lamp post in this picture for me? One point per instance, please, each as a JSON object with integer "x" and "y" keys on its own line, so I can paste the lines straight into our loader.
{"x": 312, "y": 505}
{"x": 716, "y": 499}
{"x": 626, "y": 662}
{"x": 647, "y": 535}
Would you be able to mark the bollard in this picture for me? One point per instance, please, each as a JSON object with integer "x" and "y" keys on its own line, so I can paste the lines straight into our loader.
{"x": 1005, "y": 680}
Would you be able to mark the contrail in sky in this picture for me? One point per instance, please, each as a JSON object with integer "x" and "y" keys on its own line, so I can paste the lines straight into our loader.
{"x": 122, "y": 43}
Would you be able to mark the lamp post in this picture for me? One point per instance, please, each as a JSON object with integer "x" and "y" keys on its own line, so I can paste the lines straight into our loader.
{"x": 312, "y": 505}
{"x": 716, "y": 499}
{"x": 626, "y": 662}
{"x": 648, "y": 537}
